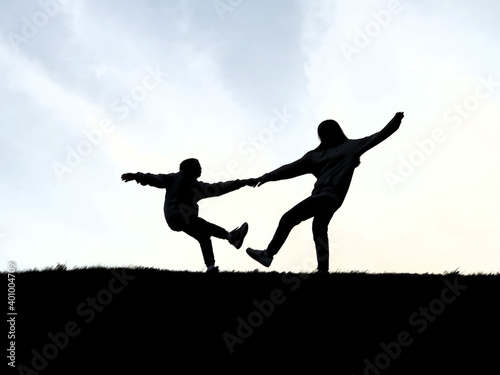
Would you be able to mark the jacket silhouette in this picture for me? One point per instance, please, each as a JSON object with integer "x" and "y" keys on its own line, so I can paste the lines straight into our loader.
{"x": 183, "y": 192}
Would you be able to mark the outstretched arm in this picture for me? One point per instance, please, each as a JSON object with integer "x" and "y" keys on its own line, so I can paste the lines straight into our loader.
{"x": 220, "y": 188}
{"x": 367, "y": 143}
{"x": 295, "y": 169}
{"x": 156, "y": 180}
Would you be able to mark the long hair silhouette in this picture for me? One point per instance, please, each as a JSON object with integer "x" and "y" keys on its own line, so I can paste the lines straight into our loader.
{"x": 330, "y": 135}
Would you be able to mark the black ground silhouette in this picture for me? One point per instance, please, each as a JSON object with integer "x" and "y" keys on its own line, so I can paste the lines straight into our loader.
{"x": 114, "y": 321}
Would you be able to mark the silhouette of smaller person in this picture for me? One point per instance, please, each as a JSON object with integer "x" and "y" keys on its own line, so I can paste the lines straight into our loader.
{"x": 183, "y": 191}
{"x": 332, "y": 163}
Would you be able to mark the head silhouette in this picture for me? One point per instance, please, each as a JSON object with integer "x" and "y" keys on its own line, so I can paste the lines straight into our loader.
{"x": 191, "y": 168}
{"x": 330, "y": 134}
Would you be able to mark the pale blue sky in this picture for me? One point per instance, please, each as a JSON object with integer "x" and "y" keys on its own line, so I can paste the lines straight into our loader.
{"x": 243, "y": 87}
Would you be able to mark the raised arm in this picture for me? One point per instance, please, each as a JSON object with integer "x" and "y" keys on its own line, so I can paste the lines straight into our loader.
{"x": 156, "y": 180}
{"x": 367, "y": 143}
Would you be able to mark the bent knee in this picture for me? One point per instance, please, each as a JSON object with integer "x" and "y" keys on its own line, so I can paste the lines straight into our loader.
{"x": 176, "y": 224}
{"x": 203, "y": 239}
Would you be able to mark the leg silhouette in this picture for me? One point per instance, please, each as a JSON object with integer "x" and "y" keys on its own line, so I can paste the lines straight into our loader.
{"x": 322, "y": 209}
{"x": 201, "y": 230}
{"x": 320, "y": 235}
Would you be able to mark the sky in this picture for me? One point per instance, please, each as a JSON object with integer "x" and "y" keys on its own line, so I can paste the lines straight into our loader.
{"x": 93, "y": 89}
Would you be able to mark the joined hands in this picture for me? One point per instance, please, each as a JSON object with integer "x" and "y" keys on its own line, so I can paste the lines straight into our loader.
{"x": 255, "y": 182}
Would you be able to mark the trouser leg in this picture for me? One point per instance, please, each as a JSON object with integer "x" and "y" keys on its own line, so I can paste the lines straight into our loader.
{"x": 209, "y": 229}
{"x": 320, "y": 232}
{"x": 207, "y": 251}
{"x": 306, "y": 209}
{"x": 320, "y": 235}
{"x": 202, "y": 230}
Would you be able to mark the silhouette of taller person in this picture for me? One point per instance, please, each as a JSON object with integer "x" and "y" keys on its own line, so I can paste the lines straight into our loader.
{"x": 332, "y": 163}
{"x": 183, "y": 191}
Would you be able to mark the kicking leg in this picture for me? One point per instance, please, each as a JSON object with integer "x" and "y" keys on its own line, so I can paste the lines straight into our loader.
{"x": 202, "y": 230}
{"x": 235, "y": 237}
{"x": 302, "y": 211}
{"x": 209, "y": 229}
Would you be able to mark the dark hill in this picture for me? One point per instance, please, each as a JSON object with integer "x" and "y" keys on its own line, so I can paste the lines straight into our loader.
{"x": 116, "y": 321}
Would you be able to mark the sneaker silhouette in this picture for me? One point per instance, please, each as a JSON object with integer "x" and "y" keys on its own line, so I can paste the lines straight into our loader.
{"x": 212, "y": 269}
{"x": 237, "y": 236}
{"x": 260, "y": 256}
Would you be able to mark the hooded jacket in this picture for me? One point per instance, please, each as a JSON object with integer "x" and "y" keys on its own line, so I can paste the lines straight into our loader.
{"x": 183, "y": 192}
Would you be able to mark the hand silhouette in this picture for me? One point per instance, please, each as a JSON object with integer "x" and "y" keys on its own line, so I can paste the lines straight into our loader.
{"x": 399, "y": 115}
{"x": 259, "y": 181}
{"x": 126, "y": 177}
{"x": 250, "y": 181}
